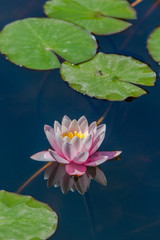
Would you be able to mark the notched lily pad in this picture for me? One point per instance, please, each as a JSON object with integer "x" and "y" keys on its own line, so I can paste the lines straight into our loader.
{"x": 33, "y": 43}
{"x": 154, "y": 44}
{"x": 100, "y": 17}
{"x": 23, "y": 217}
{"x": 109, "y": 76}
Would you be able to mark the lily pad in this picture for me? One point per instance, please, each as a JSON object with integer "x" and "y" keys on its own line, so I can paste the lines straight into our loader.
{"x": 109, "y": 76}
{"x": 100, "y": 17}
{"x": 154, "y": 44}
{"x": 33, "y": 43}
{"x": 23, "y": 217}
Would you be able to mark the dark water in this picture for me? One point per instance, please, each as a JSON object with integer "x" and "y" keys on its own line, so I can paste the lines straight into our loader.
{"x": 129, "y": 207}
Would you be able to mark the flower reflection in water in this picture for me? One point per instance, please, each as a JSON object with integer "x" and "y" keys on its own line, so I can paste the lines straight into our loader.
{"x": 74, "y": 156}
{"x": 57, "y": 177}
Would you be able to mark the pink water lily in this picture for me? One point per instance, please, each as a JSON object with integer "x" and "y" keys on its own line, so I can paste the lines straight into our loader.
{"x": 75, "y": 144}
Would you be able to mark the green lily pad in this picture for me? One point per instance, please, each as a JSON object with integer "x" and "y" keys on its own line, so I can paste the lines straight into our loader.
{"x": 100, "y": 17}
{"x": 23, "y": 217}
{"x": 109, "y": 76}
{"x": 33, "y": 43}
{"x": 154, "y": 44}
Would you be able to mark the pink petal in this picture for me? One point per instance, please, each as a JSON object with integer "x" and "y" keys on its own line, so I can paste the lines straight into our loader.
{"x": 101, "y": 128}
{"x": 75, "y": 169}
{"x": 66, "y": 121}
{"x": 87, "y": 143}
{"x": 64, "y": 129}
{"x": 57, "y": 126}
{"x": 92, "y": 128}
{"x": 76, "y": 143}
{"x": 48, "y": 128}
{"x": 43, "y": 156}
{"x": 81, "y": 158}
{"x": 57, "y": 157}
{"x": 83, "y": 118}
{"x": 50, "y": 134}
{"x": 96, "y": 161}
{"x": 96, "y": 143}
{"x": 110, "y": 155}
{"x": 74, "y": 126}
{"x": 84, "y": 126}
{"x": 69, "y": 151}
{"x": 59, "y": 140}
{"x": 58, "y": 132}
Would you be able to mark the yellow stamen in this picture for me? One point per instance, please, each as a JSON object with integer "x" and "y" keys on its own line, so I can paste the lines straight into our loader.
{"x": 75, "y": 133}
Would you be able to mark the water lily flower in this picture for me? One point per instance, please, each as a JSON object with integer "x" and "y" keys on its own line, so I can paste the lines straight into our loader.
{"x": 74, "y": 154}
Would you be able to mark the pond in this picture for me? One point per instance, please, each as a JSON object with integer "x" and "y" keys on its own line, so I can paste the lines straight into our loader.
{"x": 128, "y": 207}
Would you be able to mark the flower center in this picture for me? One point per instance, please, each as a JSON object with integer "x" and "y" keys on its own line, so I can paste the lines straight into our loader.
{"x": 75, "y": 133}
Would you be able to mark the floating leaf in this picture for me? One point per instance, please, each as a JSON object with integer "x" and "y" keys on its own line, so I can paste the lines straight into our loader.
{"x": 109, "y": 76}
{"x": 154, "y": 44}
{"x": 100, "y": 17}
{"x": 23, "y": 217}
{"x": 32, "y": 43}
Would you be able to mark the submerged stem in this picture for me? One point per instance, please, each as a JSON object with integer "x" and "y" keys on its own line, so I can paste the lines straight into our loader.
{"x": 136, "y": 3}
{"x": 33, "y": 176}
{"x": 104, "y": 115}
